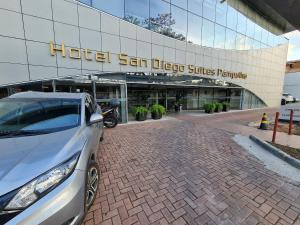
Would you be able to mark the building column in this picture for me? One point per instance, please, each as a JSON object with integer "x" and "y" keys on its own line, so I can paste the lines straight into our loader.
{"x": 54, "y": 85}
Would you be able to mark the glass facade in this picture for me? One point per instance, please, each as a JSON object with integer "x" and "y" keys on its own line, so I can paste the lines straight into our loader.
{"x": 136, "y": 89}
{"x": 210, "y": 23}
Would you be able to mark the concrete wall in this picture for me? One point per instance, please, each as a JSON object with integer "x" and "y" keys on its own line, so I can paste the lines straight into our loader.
{"x": 292, "y": 84}
{"x": 27, "y": 27}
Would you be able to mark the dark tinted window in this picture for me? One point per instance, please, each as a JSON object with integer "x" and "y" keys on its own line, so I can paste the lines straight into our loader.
{"x": 38, "y": 114}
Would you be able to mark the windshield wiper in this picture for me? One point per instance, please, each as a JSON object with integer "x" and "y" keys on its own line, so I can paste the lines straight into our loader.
{"x": 4, "y": 133}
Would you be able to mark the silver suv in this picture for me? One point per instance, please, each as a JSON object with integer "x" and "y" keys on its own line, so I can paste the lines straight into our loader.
{"x": 48, "y": 157}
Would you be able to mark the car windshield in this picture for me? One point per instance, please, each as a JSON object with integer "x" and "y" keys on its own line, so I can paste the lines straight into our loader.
{"x": 33, "y": 116}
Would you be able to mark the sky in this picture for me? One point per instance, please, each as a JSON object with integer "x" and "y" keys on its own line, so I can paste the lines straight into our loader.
{"x": 294, "y": 45}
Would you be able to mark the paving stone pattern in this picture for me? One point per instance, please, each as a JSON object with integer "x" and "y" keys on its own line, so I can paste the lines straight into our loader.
{"x": 188, "y": 171}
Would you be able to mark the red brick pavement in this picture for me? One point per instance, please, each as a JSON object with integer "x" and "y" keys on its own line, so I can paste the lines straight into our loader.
{"x": 188, "y": 171}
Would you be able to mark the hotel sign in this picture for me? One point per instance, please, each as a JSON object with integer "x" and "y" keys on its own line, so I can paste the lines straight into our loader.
{"x": 155, "y": 63}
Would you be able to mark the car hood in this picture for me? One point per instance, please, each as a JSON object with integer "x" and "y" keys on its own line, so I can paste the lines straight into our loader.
{"x": 24, "y": 158}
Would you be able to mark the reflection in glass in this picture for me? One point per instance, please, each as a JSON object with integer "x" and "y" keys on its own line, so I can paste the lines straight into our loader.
{"x": 240, "y": 41}
{"x": 88, "y": 2}
{"x": 208, "y": 33}
{"x": 114, "y": 7}
{"x": 209, "y": 9}
{"x": 250, "y": 28}
{"x": 180, "y": 3}
{"x": 264, "y": 36}
{"x": 271, "y": 39}
{"x": 248, "y": 43}
{"x": 256, "y": 44}
{"x": 257, "y": 32}
{"x": 137, "y": 12}
{"x": 195, "y": 6}
{"x": 242, "y": 23}
{"x": 194, "y": 29}
{"x": 220, "y": 36}
{"x": 178, "y": 23}
{"x": 221, "y": 12}
{"x": 230, "y": 39}
{"x": 160, "y": 16}
{"x": 231, "y": 18}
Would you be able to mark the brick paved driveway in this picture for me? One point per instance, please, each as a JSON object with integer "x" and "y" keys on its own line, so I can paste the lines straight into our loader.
{"x": 188, "y": 171}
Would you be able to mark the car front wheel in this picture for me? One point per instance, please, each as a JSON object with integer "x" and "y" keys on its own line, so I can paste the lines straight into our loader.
{"x": 92, "y": 184}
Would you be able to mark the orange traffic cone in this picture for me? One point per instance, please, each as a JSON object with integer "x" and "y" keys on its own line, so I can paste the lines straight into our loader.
{"x": 264, "y": 122}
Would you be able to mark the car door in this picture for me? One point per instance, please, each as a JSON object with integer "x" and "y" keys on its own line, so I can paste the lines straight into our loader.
{"x": 93, "y": 129}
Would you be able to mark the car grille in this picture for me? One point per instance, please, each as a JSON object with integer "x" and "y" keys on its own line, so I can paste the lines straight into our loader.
{"x": 4, "y": 218}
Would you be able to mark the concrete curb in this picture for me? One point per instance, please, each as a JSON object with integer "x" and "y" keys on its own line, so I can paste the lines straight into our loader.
{"x": 277, "y": 152}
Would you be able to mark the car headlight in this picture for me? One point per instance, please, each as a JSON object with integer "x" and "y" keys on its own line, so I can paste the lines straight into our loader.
{"x": 41, "y": 185}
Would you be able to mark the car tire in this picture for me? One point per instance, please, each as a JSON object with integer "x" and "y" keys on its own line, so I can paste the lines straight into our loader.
{"x": 283, "y": 102}
{"x": 110, "y": 122}
{"x": 91, "y": 184}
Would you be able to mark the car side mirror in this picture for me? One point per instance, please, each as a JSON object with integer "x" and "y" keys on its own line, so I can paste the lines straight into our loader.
{"x": 95, "y": 118}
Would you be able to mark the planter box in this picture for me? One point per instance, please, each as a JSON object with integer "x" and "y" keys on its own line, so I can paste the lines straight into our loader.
{"x": 156, "y": 116}
{"x": 140, "y": 117}
{"x": 226, "y": 108}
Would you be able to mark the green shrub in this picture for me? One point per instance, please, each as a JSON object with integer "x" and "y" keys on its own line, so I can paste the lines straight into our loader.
{"x": 209, "y": 107}
{"x": 140, "y": 110}
{"x": 158, "y": 109}
{"x": 219, "y": 107}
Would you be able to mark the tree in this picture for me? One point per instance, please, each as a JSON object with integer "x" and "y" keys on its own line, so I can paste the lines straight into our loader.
{"x": 132, "y": 19}
{"x": 163, "y": 24}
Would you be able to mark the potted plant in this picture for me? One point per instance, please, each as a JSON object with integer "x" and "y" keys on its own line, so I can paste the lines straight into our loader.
{"x": 209, "y": 107}
{"x": 219, "y": 107}
{"x": 157, "y": 111}
{"x": 140, "y": 113}
{"x": 226, "y": 106}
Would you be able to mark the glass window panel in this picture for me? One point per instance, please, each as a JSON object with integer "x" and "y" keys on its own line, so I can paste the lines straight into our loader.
{"x": 88, "y": 2}
{"x": 230, "y": 39}
{"x": 256, "y": 44}
{"x": 194, "y": 29}
{"x": 220, "y": 36}
{"x": 281, "y": 40}
{"x": 231, "y": 18}
{"x": 195, "y": 6}
{"x": 257, "y": 32}
{"x": 114, "y": 7}
{"x": 248, "y": 43}
{"x": 178, "y": 23}
{"x": 264, "y": 37}
{"x": 262, "y": 45}
{"x": 271, "y": 39}
{"x": 250, "y": 28}
{"x": 160, "y": 16}
{"x": 209, "y": 9}
{"x": 180, "y": 3}
{"x": 240, "y": 41}
{"x": 208, "y": 33}
{"x": 137, "y": 12}
{"x": 242, "y": 23}
{"x": 221, "y": 13}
